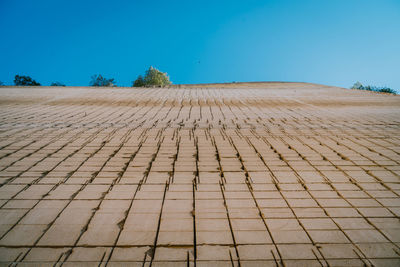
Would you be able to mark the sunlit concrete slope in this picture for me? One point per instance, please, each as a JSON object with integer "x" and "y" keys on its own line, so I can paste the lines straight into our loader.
{"x": 243, "y": 174}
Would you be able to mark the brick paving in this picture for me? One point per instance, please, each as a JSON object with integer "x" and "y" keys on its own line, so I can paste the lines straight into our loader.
{"x": 288, "y": 174}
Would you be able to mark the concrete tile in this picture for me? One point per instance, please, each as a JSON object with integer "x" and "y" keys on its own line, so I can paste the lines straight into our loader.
{"x": 365, "y": 236}
{"x": 297, "y": 252}
{"x": 23, "y": 235}
{"x": 42, "y": 255}
{"x": 129, "y": 254}
{"x": 214, "y": 238}
{"x": 61, "y": 235}
{"x": 82, "y": 254}
{"x": 219, "y": 253}
{"x": 256, "y": 252}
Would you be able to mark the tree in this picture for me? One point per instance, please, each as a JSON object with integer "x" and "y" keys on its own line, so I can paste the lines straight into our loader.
{"x": 99, "y": 80}
{"x": 139, "y": 82}
{"x": 57, "y": 84}
{"x": 25, "y": 81}
{"x": 153, "y": 77}
{"x": 357, "y": 85}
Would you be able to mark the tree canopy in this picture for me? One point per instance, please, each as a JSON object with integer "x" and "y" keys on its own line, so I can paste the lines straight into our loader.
{"x": 153, "y": 77}
{"x": 139, "y": 82}
{"x": 99, "y": 80}
{"x": 25, "y": 81}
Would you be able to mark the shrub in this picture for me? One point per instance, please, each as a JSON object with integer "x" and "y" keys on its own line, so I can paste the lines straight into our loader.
{"x": 99, "y": 80}
{"x": 1, "y": 83}
{"x": 359, "y": 86}
{"x": 57, "y": 84}
{"x": 387, "y": 90}
{"x": 153, "y": 77}
{"x": 25, "y": 81}
{"x": 139, "y": 82}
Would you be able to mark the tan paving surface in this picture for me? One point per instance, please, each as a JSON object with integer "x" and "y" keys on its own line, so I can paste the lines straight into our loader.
{"x": 286, "y": 175}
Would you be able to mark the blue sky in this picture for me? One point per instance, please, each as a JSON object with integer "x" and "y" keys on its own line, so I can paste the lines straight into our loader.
{"x": 336, "y": 42}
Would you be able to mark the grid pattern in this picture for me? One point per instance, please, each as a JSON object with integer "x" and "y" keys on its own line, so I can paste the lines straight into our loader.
{"x": 288, "y": 174}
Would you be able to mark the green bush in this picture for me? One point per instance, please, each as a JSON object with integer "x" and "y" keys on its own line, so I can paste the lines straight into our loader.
{"x": 153, "y": 77}
{"x": 359, "y": 86}
{"x": 25, "y": 81}
{"x": 139, "y": 82}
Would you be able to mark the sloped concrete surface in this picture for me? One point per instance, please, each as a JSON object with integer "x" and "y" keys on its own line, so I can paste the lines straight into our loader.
{"x": 266, "y": 174}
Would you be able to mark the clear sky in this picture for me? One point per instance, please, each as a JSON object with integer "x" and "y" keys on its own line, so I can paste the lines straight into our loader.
{"x": 334, "y": 42}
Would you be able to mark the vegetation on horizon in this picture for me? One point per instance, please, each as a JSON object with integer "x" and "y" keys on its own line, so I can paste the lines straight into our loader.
{"x": 99, "y": 80}
{"x": 153, "y": 77}
{"x": 57, "y": 84}
{"x": 25, "y": 81}
{"x": 359, "y": 86}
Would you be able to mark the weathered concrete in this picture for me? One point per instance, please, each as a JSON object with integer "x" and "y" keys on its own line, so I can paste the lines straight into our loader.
{"x": 258, "y": 175}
